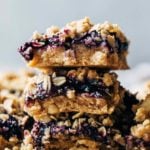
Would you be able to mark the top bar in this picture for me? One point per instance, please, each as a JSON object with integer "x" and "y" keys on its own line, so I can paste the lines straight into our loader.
{"x": 78, "y": 44}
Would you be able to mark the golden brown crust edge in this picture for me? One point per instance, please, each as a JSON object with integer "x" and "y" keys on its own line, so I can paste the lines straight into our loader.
{"x": 82, "y": 57}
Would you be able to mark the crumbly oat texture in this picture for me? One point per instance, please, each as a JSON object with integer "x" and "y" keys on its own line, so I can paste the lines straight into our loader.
{"x": 142, "y": 130}
{"x": 83, "y": 132}
{"x": 13, "y": 120}
{"x": 79, "y": 43}
{"x": 15, "y": 81}
{"x": 78, "y": 90}
{"x": 143, "y": 110}
{"x": 11, "y": 88}
{"x": 142, "y": 117}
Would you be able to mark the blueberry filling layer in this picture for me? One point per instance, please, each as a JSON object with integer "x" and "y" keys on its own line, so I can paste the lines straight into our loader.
{"x": 83, "y": 128}
{"x": 88, "y": 87}
{"x": 10, "y": 128}
{"x": 100, "y": 133}
{"x": 89, "y": 39}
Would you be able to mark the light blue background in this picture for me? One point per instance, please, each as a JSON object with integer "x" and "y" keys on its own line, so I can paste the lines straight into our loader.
{"x": 19, "y": 18}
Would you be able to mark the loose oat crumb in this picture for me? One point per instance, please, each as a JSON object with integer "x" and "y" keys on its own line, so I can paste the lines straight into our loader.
{"x": 67, "y": 32}
{"x": 36, "y": 35}
{"x": 71, "y": 94}
{"x": 107, "y": 122}
{"x": 52, "y": 30}
{"x": 67, "y": 123}
{"x": 81, "y": 26}
{"x": 107, "y": 79}
{"x": 58, "y": 81}
{"x": 142, "y": 130}
{"x": 77, "y": 115}
{"x": 119, "y": 139}
{"x": 4, "y": 117}
{"x": 92, "y": 74}
{"x": 81, "y": 73}
{"x": 143, "y": 110}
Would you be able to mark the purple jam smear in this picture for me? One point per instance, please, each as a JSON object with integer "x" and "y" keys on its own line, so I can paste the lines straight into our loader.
{"x": 89, "y": 39}
{"x": 10, "y": 128}
{"x": 89, "y": 87}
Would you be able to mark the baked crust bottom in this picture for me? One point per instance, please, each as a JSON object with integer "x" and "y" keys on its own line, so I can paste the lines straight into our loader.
{"x": 80, "y": 57}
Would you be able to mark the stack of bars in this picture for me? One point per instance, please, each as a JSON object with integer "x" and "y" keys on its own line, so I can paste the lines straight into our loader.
{"x": 76, "y": 101}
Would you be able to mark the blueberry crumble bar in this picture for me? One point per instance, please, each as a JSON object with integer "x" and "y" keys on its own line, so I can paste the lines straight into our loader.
{"x": 82, "y": 131}
{"x": 79, "y": 43}
{"x": 67, "y": 90}
{"x": 76, "y": 102}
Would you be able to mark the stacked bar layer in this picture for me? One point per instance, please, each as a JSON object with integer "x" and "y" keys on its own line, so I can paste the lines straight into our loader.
{"x": 72, "y": 90}
{"x": 79, "y": 43}
{"x": 77, "y": 131}
{"x": 79, "y": 108}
